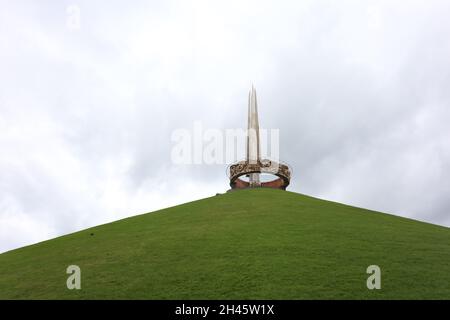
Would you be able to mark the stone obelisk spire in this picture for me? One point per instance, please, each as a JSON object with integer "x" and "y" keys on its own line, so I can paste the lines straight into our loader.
{"x": 253, "y": 166}
{"x": 253, "y": 145}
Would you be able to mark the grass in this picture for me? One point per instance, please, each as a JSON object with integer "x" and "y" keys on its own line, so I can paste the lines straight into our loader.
{"x": 249, "y": 244}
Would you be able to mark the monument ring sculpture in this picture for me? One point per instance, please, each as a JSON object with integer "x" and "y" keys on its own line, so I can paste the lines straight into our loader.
{"x": 245, "y": 167}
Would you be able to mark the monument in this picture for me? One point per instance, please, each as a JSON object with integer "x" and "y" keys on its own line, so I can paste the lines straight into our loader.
{"x": 247, "y": 173}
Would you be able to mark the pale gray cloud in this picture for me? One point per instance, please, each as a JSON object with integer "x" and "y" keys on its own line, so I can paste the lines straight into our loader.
{"x": 359, "y": 90}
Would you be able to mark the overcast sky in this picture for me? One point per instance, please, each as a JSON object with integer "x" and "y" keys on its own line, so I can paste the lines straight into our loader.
{"x": 91, "y": 92}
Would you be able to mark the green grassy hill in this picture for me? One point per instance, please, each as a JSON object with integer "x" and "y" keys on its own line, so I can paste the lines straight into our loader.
{"x": 249, "y": 244}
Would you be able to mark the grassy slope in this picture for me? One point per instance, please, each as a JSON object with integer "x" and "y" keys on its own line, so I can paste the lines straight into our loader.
{"x": 254, "y": 244}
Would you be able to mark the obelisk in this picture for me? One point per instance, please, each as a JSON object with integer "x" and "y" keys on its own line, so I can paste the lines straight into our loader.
{"x": 253, "y": 165}
{"x": 253, "y": 145}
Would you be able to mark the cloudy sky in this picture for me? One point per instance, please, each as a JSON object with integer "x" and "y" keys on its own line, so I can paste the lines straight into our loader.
{"x": 91, "y": 92}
